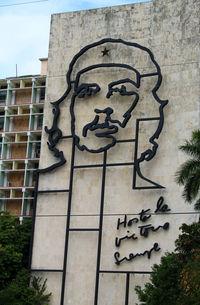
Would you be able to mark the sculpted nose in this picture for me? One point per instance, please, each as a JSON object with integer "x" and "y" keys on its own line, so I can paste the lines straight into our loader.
{"x": 107, "y": 111}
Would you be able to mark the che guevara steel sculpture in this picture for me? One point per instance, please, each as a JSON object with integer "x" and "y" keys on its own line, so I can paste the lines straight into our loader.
{"x": 110, "y": 127}
{"x": 103, "y": 124}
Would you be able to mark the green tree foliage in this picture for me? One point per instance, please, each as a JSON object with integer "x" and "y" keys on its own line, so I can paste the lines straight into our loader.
{"x": 189, "y": 241}
{"x": 189, "y": 172}
{"x": 190, "y": 282}
{"x": 163, "y": 287}
{"x": 17, "y": 286}
{"x": 176, "y": 280}
{"x": 14, "y": 247}
{"x": 19, "y": 292}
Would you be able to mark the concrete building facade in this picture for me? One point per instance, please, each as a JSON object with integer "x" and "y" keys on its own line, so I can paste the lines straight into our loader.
{"x": 21, "y": 116}
{"x": 123, "y": 84}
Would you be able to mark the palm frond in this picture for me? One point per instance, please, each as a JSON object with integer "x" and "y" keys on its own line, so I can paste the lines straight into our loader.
{"x": 187, "y": 191}
{"x": 197, "y": 205}
{"x": 192, "y": 186}
{"x": 186, "y": 169}
{"x": 191, "y": 149}
{"x": 189, "y": 172}
{"x": 196, "y": 136}
{"x": 196, "y": 184}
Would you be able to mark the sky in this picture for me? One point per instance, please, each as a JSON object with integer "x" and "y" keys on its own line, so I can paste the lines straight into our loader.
{"x": 25, "y": 27}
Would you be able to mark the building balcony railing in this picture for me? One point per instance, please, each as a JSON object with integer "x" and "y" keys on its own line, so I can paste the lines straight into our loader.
{"x": 17, "y": 198}
{"x": 20, "y": 159}
{"x": 2, "y": 105}
{"x": 21, "y": 131}
{"x": 21, "y": 115}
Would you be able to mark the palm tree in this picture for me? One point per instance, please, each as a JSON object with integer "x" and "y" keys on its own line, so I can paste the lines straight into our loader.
{"x": 189, "y": 172}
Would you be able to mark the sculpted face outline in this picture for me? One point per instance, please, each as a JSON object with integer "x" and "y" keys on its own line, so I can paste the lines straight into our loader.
{"x": 103, "y": 124}
{"x": 55, "y": 133}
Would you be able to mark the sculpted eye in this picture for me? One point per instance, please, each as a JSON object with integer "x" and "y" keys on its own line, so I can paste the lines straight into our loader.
{"x": 122, "y": 91}
{"x": 125, "y": 86}
{"x": 87, "y": 89}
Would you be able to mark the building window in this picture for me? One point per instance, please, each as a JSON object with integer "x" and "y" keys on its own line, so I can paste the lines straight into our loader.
{"x": 1, "y": 120}
{"x": 3, "y": 97}
{"x": 37, "y": 150}
{"x": 1, "y": 123}
{"x": 0, "y": 146}
{"x": 36, "y": 165}
{"x": 40, "y": 120}
{"x": 42, "y": 93}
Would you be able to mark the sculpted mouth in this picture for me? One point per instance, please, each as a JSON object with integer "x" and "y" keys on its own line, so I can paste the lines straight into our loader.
{"x": 105, "y": 132}
{"x": 104, "y": 129}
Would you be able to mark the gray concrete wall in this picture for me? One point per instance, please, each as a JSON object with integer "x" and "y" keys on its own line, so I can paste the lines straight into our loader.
{"x": 170, "y": 29}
